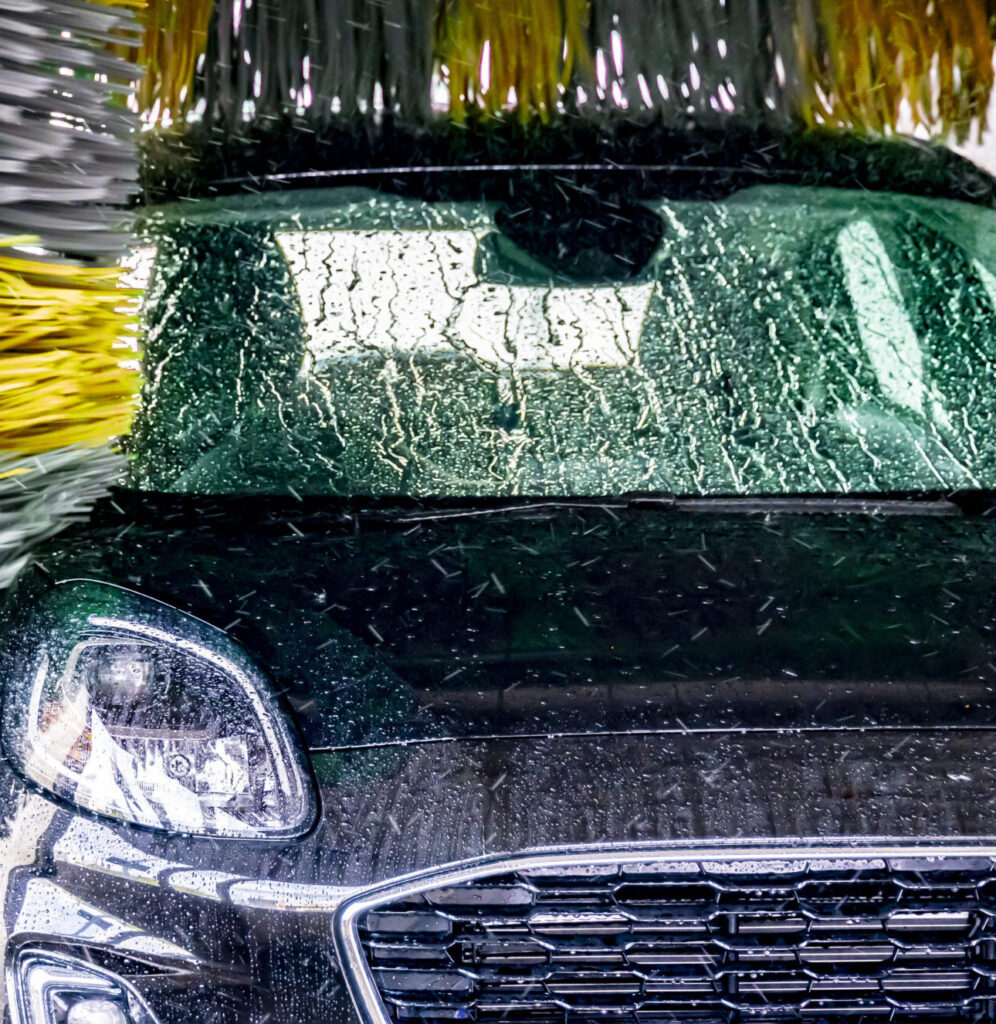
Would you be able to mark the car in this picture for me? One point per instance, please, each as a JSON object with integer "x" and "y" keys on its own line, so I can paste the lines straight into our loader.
{"x": 543, "y": 625}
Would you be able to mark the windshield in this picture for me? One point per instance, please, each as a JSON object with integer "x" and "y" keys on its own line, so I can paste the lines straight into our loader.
{"x": 575, "y": 341}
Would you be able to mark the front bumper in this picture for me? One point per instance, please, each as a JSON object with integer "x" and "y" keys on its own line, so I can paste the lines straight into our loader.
{"x": 229, "y": 931}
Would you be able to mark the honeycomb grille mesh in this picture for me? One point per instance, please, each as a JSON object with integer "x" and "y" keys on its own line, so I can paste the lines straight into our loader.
{"x": 793, "y": 941}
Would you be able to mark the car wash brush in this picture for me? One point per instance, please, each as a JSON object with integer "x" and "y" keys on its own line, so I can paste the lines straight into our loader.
{"x": 260, "y": 88}
{"x": 67, "y": 169}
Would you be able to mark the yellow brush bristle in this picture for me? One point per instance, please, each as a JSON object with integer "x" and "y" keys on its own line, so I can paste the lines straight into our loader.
{"x": 174, "y": 39}
{"x": 497, "y": 54}
{"x": 865, "y": 65}
{"x": 933, "y": 58}
{"x": 63, "y": 339}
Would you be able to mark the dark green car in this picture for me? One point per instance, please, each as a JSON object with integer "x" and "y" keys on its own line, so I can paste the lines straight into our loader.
{"x": 525, "y": 611}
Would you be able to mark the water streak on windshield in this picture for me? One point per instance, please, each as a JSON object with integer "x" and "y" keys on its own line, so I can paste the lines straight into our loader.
{"x": 783, "y": 340}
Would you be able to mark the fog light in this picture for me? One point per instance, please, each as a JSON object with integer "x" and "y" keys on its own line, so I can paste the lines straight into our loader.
{"x": 96, "y": 1011}
{"x": 53, "y": 988}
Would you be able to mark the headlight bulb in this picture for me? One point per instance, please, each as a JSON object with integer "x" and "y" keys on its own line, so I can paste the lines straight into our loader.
{"x": 122, "y": 671}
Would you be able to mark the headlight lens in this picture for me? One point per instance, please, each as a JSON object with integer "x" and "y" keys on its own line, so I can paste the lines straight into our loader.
{"x": 130, "y": 708}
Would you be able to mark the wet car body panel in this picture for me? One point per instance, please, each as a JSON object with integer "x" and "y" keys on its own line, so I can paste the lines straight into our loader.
{"x": 224, "y": 931}
{"x": 631, "y": 673}
{"x": 415, "y": 623}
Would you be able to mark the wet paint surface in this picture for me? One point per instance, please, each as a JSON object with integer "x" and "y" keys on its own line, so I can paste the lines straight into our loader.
{"x": 485, "y": 681}
{"x": 407, "y": 624}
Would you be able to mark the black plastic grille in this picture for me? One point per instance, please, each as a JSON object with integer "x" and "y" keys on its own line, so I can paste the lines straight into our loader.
{"x": 866, "y": 941}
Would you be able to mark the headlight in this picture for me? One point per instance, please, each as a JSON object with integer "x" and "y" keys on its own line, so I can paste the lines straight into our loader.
{"x": 130, "y": 708}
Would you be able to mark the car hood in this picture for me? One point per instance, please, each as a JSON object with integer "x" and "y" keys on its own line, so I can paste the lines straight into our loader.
{"x": 385, "y": 625}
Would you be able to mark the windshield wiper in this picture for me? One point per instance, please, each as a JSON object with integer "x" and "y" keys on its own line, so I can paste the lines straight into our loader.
{"x": 958, "y": 503}
{"x": 968, "y": 502}
{"x": 179, "y": 508}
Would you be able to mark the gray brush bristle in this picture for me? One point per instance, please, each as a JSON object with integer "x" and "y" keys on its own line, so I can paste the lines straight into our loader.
{"x": 336, "y": 57}
{"x": 67, "y": 168}
{"x": 67, "y": 154}
{"x": 701, "y": 58}
{"x": 42, "y": 494}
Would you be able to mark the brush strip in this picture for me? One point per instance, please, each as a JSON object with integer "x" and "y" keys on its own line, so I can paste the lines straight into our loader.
{"x": 314, "y": 60}
{"x": 518, "y": 55}
{"x": 67, "y": 168}
{"x": 309, "y": 64}
{"x": 63, "y": 339}
{"x": 42, "y": 494}
{"x": 692, "y": 58}
{"x": 67, "y": 156}
{"x": 174, "y": 39}
{"x": 929, "y": 59}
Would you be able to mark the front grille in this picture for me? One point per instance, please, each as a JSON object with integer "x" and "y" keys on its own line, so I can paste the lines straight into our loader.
{"x": 815, "y": 941}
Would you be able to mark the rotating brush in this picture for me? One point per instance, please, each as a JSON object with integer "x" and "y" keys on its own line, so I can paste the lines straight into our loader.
{"x": 869, "y": 60}
{"x": 67, "y": 169}
{"x": 863, "y": 65}
{"x": 251, "y": 92}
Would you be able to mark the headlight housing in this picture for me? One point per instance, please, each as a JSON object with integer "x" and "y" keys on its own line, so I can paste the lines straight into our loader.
{"x": 132, "y": 709}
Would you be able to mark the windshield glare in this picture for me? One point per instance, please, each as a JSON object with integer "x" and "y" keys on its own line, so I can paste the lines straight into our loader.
{"x": 784, "y": 340}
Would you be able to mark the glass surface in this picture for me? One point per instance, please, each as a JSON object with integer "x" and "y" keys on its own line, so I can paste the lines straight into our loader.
{"x": 782, "y": 340}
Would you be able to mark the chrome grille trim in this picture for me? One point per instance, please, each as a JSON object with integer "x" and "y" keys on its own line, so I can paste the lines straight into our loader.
{"x": 846, "y": 854}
